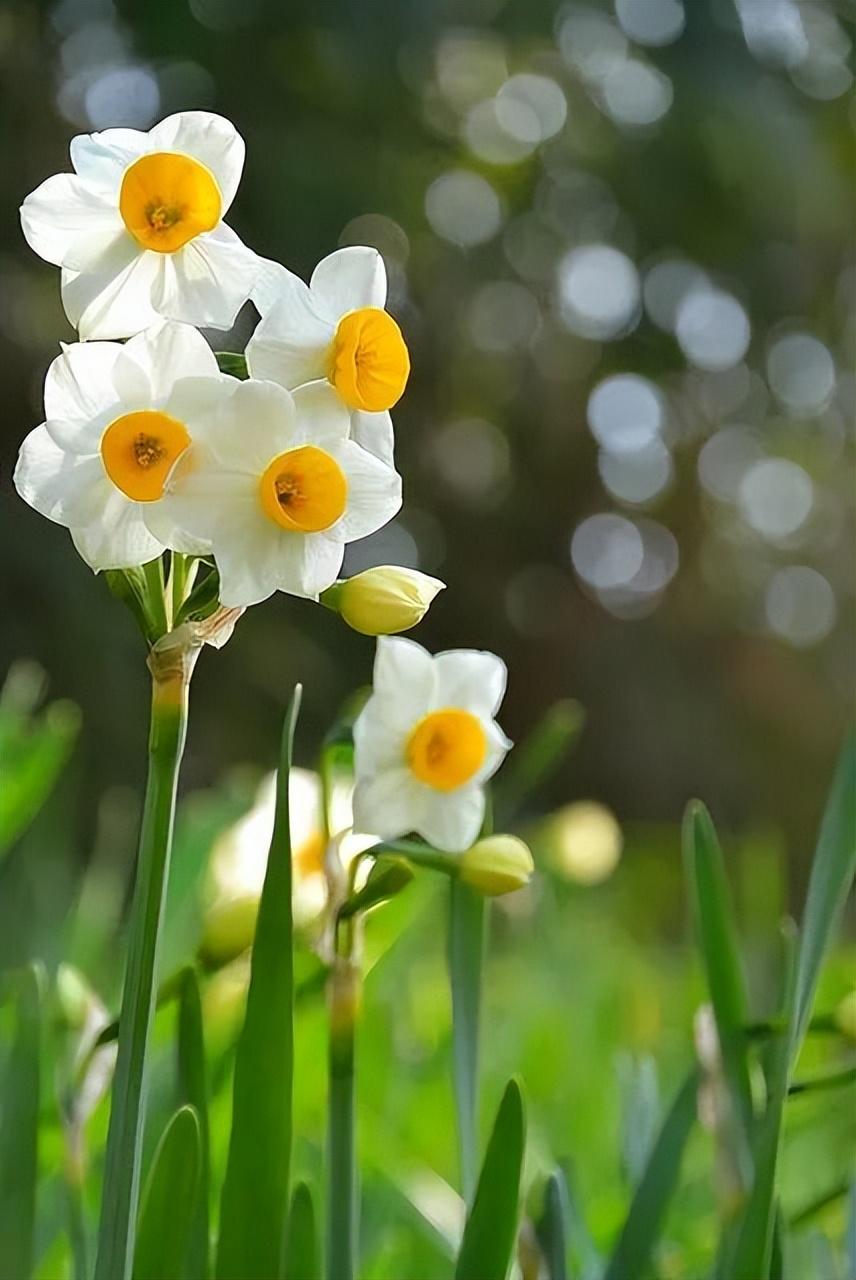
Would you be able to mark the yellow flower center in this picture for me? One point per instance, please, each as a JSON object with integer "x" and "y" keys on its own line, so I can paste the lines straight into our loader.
{"x": 167, "y": 199}
{"x": 308, "y": 857}
{"x": 370, "y": 365}
{"x": 138, "y": 451}
{"x": 446, "y": 748}
{"x": 304, "y": 490}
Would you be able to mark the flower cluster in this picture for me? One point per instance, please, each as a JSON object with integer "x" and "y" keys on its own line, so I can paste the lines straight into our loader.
{"x": 149, "y": 445}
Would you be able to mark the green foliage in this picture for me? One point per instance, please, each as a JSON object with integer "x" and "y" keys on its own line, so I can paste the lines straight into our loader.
{"x": 20, "y": 1094}
{"x": 468, "y": 913}
{"x": 34, "y": 748}
{"x": 169, "y": 1204}
{"x": 301, "y": 1242}
{"x": 254, "y": 1200}
{"x": 193, "y": 1092}
{"x": 491, "y": 1227}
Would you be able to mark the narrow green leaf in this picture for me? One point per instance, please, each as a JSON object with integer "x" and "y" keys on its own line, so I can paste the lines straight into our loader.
{"x": 388, "y": 877}
{"x": 35, "y": 751}
{"x": 534, "y": 759}
{"x": 490, "y": 1232}
{"x": 553, "y": 1227}
{"x": 169, "y": 1202}
{"x": 19, "y": 1130}
{"x": 193, "y": 1090}
{"x": 850, "y": 1230}
{"x": 717, "y": 936}
{"x": 301, "y": 1247}
{"x": 777, "y": 1254}
{"x": 233, "y": 363}
{"x": 648, "y": 1208}
{"x": 466, "y": 948}
{"x": 754, "y": 1244}
{"x": 254, "y": 1200}
{"x": 832, "y": 872}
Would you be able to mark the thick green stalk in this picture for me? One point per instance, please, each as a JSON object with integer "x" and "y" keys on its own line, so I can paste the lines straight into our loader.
{"x": 124, "y": 1139}
{"x": 466, "y": 947}
{"x": 341, "y": 1253}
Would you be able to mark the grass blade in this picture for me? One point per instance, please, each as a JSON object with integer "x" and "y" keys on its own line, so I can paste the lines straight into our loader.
{"x": 637, "y": 1240}
{"x": 193, "y": 1091}
{"x": 717, "y": 936}
{"x": 831, "y": 876}
{"x": 254, "y": 1200}
{"x": 832, "y": 872}
{"x": 169, "y": 1203}
{"x": 490, "y": 1232}
{"x": 754, "y": 1246}
{"x": 342, "y": 1229}
{"x": 553, "y": 1227}
{"x": 466, "y": 948}
{"x": 301, "y": 1247}
{"x": 19, "y": 1130}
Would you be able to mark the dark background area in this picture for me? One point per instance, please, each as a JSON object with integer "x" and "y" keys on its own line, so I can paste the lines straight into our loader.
{"x": 711, "y": 667}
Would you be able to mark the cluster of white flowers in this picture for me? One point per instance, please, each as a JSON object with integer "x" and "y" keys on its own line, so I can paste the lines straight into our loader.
{"x": 147, "y": 446}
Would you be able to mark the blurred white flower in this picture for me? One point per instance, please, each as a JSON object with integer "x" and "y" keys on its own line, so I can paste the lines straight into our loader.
{"x": 138, "y": 227}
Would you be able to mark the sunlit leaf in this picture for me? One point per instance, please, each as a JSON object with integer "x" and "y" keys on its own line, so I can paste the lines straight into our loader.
{"x": 254, "y": 1200}
{"x": 490, "y": 1232}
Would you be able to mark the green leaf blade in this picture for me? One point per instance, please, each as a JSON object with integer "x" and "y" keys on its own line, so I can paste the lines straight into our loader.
{"x": 254, "y": 1199}
{"x": 19, "y": 1130}
{"x": 553, "y": 1227}
{"x": 466, "y": 949}
{"x": 193, "y": 1091}
{"x": 490, "y": 1232}
{"x": 302, "y": 1261}
{"x": 636, "y": 1243}
{"x": 169, "y": 1203}
{"x": 717, "y": 935}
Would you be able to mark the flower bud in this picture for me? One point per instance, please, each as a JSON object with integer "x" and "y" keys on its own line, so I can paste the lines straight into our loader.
{"x": 228, "y": 931}
{"x": 496, "y": 865}
{"x": 383, "y": 601}
{"x": 845, "y": 1015}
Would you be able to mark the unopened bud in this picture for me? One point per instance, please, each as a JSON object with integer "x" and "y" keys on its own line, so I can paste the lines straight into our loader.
{"x": 383, "y": 601}
{"x": 845, "y": 1015}
{"x": 228, "y": 931}
{"x": 496, "y": 865}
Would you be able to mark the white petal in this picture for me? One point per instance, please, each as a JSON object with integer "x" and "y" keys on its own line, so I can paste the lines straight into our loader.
{"x": 272, "y": 281}
{"x": 470, "y": 678}
{"x": 378, "y": 743}
{"x": 292, "y": 341}
{"x": 373, "y": 431}
{"x": 208, "y": 281}
{"x": 374, "y": 492}
{"x": 118, "y": 539}
{"x": 322, "y": 419}
{"x": 198, "y": 402}
{"x": 65, "y": 487}
{"x": 390, "y": 804}
{"x": 318, "y": 566}
{"x": 255, "y": 424}
{"x": 404, "y": 679}
{"x": 102, "y": 158}
{"x": 79, "y": 383}
{"x": 209, "y": 138}
{"x": 169, "y": 351}
{"x": 248, "y": 563}
{"x": 498, "y": 746}
{"x": 349, "y": 279}
{"x": 70, "y": 223}
{"x": 452, "y": 820}
{"x": 209, "y": 504}
{"x": 111, "y": 303}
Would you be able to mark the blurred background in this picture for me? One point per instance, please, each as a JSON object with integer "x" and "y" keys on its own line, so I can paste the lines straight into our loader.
{"x": 620, "y": 242}
{"x": 619, "y": 237}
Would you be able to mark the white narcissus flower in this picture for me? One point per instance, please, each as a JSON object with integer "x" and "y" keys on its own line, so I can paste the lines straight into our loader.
{"x": 118, "y": 417}
{"x": 335, "y": 328}
{"x": 274, "y": 488}
{"x": 426, "y": 742}
{"x": 138, "y": 227}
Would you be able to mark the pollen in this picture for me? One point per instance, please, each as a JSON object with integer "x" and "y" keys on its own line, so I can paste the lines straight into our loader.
{"x": 167, "y": 199}
{"x": 304, "y": 490}
{"x": 446, "y": 748}
{"x": 138, "y": 451}
{"x": 369, "y": 364}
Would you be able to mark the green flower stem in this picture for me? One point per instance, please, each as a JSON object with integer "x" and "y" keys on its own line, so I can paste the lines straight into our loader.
{"x": 344, "y": 994}
{"x": 155, "y": 599}
{"x": 124, "y": 1139}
